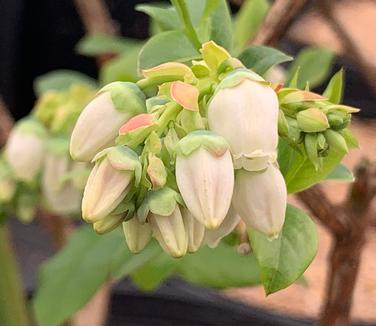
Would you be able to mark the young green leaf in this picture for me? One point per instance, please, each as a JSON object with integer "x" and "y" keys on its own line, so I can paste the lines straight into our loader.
{"x": 166, "y": 17}
{"x": 61, "y": 80}
{"x": 341, "y": 173}
{"x": 315, "y": 64}
{"x": 248, "y": 20}
{"x": 299, "y": 172}
{"x": 70, "y": 278}
{"x": 334, "y": 90}
{"x": 221, "y": 268}
{"x": 283, "y": 260}
{"x": 93, "y": 45}
{"x": 261, "y": 58}
{"x": 165, "y": 47}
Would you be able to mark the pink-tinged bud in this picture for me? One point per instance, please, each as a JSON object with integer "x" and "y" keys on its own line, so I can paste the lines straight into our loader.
{"x": 139, "y": 121}
{"x": 111, "y": 179}
{"x": 213, "y": 237}
{"x": 205, "y": 176}
{"x": 61, "y": 196}
{"x": 195, "y": 230}
{"x": 25, "y": 148}
{"x": 136, "y": 235}
{"x": 260, "y": 198}
{"x": 244, "y": 110}
{"x": 185, "y": 94}
{"x": 98, "y": 125}
{"x": 170, "y": 232}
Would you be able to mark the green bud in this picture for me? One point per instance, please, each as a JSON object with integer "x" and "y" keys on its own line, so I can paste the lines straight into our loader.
{"x": 350, "y": 138}
{"x": 336, "y": 141}
{"x": 311, "y": 147}
{"x": 338, "y": 120}
{"x": 312, "y": 120}
{"x": 295, "y": 134}
{"x": 283, "y": 126}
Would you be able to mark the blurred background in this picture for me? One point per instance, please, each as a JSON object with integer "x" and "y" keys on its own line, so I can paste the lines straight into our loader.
{"x": 40, "y": 36}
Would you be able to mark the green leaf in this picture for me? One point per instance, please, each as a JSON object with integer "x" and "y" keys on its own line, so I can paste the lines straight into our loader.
{"x": 248, "y": 20}
{"x": 165, "y": 47}
{"x": 166, "y": 17}
{"x": 122, "y": 68}
{"x": 93, "y": 45}
{"x": 299, "y": 172}
{"x": 261, "y": 58}
{"x": 315, "y": 64}
{"x": 283, "y": 260}
{"x": 69, "y": 279}
{"x": 221, "y": 267}
{"x": 218, "y": 20}
{"x": 61, "y": 80}
{"x": 341, "y": 173}
{"x": 154, "y": 272}
{"x": 334, "y": 90}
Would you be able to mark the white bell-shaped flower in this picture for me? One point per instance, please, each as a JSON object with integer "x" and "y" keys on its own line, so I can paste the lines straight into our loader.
{"x": 260, "y": 198}
{"x": 137, "y": 235}
{"x": 112, "y": 177}
{"x": 61, "y": 195}
{"x": 99, "y": 123}
{"x": 213, "y": 237}
{"x": 205, "y": 176}
{"x": 244, "y": 110}
{"x": 25, "y": 148}
{"x": 170, "y": 232}
{"x": 195, "y": 230}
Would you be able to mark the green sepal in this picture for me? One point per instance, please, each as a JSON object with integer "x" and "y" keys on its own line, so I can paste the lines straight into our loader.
{"x": 155, "y": 103}
{"x": 351, "y": 140}
{"x": 153, "y": 144}
{"x": 122, "y": 158}
{"x": 161, "y": 202}
{"x": 211, "y": 142}
{"x": 135, "y": 137}
{"x": 283, "y": 126}
{"x": 127, "y": 97}
{"x": 311, "y": 147}
{"x": 126, "y": 208}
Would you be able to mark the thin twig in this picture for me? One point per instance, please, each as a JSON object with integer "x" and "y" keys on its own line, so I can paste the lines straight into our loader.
{"x": 367, "y": 70}
{"x": 277, "y": 21}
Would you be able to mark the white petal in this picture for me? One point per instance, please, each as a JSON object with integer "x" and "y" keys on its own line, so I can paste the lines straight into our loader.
{"x": 195, "y": 230}
{"x": 206, "y": 184}
{"x": 247, "y": 116}
{"x": 213, "y": 237}
{"x": 96, "y": 128}
{"x": 25, "y": 154}
{"x": 105, "y": 189}
{"x": 261, "y": 199}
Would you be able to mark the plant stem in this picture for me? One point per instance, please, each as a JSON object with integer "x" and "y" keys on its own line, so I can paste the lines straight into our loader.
{"x": 169, "y": 114}
{"x": 13, "y": 311}
{"x": 182, "y": 9}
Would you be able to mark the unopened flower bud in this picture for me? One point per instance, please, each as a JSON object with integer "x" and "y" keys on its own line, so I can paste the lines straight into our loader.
{"x": 312, "y": 120}
{"x": 205, "y": 176}
{"x": 336, "y": 141}
{"x": 108, "y": 223}
{"x": 25, "y": 149}
{"x": 195, "y": 230}
{"x": 109, "y": 182}
{"x": 170, "y": 232}
{"x": 137, "y": 235}
{"x": 244, "y": 110}
{"x": 260, "y": 198}
{"x": 61, "y": 196}
{"x": 99, "y": 123}
{"x": 213, "y": 237}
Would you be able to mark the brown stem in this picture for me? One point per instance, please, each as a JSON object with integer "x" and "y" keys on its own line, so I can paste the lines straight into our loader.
{"x": 350, "y": 48}
{"x": 97, "y": 20}
{"x": 348, "y": 223}
{"x": 6, "y": 123}
{"x": 277, "y": 21}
